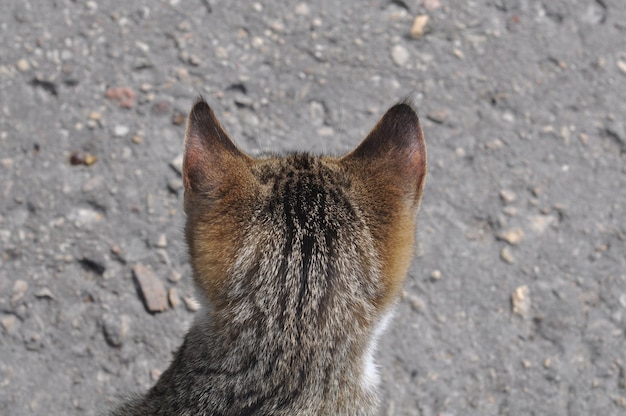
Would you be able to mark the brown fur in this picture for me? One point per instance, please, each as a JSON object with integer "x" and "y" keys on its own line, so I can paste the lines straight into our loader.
{"x": 299, "y": 259}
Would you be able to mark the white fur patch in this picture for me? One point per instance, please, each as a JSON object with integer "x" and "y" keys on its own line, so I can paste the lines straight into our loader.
{"x": 370, "y": 377}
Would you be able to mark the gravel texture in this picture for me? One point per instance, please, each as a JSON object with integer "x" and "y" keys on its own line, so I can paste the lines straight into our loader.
{"x": 516, "y": 301}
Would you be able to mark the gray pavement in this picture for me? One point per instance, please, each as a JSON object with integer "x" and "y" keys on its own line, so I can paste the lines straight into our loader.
{"x": 516, "y": 301}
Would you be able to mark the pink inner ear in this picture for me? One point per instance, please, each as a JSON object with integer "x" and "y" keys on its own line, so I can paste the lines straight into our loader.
{"x": 207, "y": 150}
{"x": 394, "y": 149}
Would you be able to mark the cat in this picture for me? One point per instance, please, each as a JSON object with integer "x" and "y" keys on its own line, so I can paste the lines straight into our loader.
{"x": 300, "y": 260}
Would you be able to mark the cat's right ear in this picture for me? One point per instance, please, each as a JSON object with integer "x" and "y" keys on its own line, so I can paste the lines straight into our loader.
{"x": 210, "y": 158}
{"x": 394, "y": 151}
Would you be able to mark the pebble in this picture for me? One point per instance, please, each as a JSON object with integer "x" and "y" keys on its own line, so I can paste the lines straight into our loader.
{"x": 9, "y": 323}
{"x": 161, "y": 108}
{"x": 191, "y": 303}
{"x": 177, "y": 163}
{"x": 399, "y": 55}
{"x": 495, "y": 144}
{"x": 175, "y": 185}
{"x": 506, "y": 255}
{"x": 622, "y": 66}
{"x": 512, "y": 236}
{"x": 174, "y": 277}
{"x": 81, "y": 158}
{"x": 161, "y": 241}
{"x": 172, "y": 296}
{"x": 435, "y": 275}
{"x": 178, "y": 118}
{"x": 419, "y": 26}
{"x": 115, "y": 329}
{"x": 507, "y": 196}
{"x": 417, "y": 304}
{"x": 539, "y": 223}
{"x": 19, "y": 289}
{"x": 520, "y": 301}
{"x": 155, "y": 374}
{"x": 438, "y": 116}
{"x": 22, "y": 65}
{"x": 302, "y": 9}
{"x": 124, "y": 96}
{"x": 152, "y": 290}
{"x": 431, "y": 4}
{"x": 120, "y": 130}
{"x": 44, "y": 293}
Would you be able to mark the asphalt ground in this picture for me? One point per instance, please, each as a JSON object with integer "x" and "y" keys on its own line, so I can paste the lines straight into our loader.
{"x": 516, "y": 301}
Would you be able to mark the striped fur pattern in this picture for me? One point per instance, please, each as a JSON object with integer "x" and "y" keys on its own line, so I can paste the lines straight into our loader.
{"x": 300, "y": 260}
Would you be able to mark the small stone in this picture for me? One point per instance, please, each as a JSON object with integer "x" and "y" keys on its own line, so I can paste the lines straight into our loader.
{"x": 137, "y": 139}
{"x": 399, "y": 55}
{"x": 431, "y": 4}
{"x": 419, "y": 26}
{"x": 178, "y": 118}
{"x": 512, "y": 236}
{"x": 194, "y": 60}
{"x": 84, "y": 216}
{"x": 520, "y": 300}
{"x": 438, "y": 116}
{"x": 161, "y": 108}
{"x": 416, "y": 303}
{"x": 539, "y": 223}
{"x": 90, "y": 159}
{"x": 506, "y": 255}
{"x": 177, "y": 163}
{"x": 115, "y": 329}
{"x": 174, "y": 277}
{"x": 44, "y": 293}
{"x": 161, "y": 241}
{"x": 155, "y": 374}
{"x": 302, "y": 9}
{"x": 622, "y": 66}
{"x": 115, "y": 249}
{"x": 510, "y": 211}
{"x": 191, "y": 303}
{"x": 584, "y": 138}
{"x": 19, "y": 289}
{"x": 435, "y": 275}
{"x": 94, "y": 115}
{"x": 152, "y": 290}
{"x": 80, "y": 158}
{"x": 124, "y": 96}
{"x": 9, "y": 323}
{"x": 172, "y": 296}
{"x": 507, "y": 196}
{"x": 175, "y": 185}
{"x": 547, "y": 362}
{"x": 494, "y": 144}
{"x": 120, "y": 131}
{"x": 22, "y": 65}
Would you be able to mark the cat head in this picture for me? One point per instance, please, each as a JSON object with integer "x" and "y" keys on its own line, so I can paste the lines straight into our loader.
{"x": 235, "y": 203}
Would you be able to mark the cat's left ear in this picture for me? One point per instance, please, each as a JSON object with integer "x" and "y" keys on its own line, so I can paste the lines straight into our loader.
{"x": 211, "y": 158}
{"x": 394, "y": 151}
